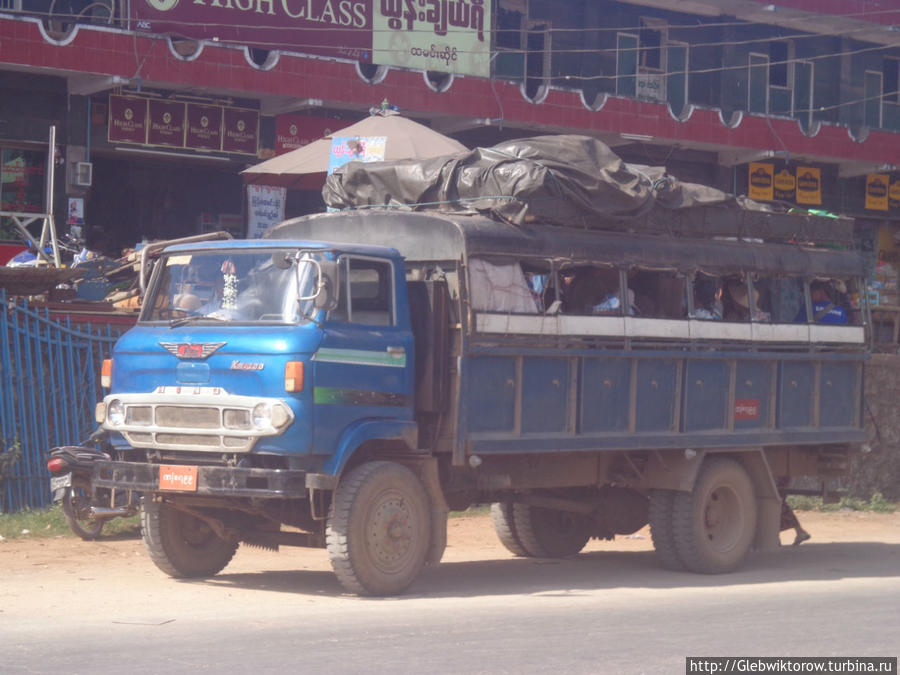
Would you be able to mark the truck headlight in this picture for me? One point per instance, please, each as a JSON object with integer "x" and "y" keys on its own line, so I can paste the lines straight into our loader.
{"x": 270, "y": 416}
{"x": 115, "y": 412}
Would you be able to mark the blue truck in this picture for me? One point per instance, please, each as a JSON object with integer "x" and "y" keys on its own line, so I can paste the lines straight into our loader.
{"x": 351, "y": 377}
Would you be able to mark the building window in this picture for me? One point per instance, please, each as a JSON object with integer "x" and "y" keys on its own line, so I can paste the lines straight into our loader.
{"x": 779, "y": 60}
{"x": 804, "y": 92}
{"x": 891, "y": 81}
{"x": 873, "y": 89}
{"x": 651, "y": 44}
{"x": 626, "y": 64}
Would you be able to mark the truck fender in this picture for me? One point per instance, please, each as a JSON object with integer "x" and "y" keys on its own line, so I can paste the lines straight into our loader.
{"x": 361, "y": 431}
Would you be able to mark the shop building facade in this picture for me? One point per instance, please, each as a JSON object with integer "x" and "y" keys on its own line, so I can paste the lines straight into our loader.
{"x": 159, "y": 105}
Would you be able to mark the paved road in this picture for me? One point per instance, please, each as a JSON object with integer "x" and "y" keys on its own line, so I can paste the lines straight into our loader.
{"x": 602, "y": 612}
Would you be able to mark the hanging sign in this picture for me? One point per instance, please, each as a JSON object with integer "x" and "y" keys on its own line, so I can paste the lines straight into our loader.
{"x": 240, "y": 131}
{"x": 204, "y": 127}
{"x": 127, "y": 119}
{"x": 166, "y": 124}
{"x": 877, "y": 191}
{"x": 762, "y": 181}
{"x": 894, "y": 194}
{"x": 809, "y": 185}
{"x": 295, "y": 131}
{"x": 265, "y": 208}
{"x": 785, "y": 185}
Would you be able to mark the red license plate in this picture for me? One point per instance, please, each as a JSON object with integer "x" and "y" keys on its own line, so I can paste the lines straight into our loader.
{"x": 175, "y": 477}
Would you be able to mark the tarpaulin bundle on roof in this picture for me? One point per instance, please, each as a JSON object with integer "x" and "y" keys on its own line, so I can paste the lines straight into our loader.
{"x": 561, "y": 180}
{"x": 568, "y": 180}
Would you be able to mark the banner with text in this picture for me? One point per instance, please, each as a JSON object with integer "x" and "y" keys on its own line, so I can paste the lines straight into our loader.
{"x": 265, "y": 208}
{"x": 174, "y": 124}
{"x": 877, "y": 185}
{"x": 295, "y": 131}
{"x": 801, "y": 185}
{"x": 451, "y": 36}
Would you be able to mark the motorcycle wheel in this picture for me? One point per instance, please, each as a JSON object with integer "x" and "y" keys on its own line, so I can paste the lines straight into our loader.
{"x": 76, "y": 504}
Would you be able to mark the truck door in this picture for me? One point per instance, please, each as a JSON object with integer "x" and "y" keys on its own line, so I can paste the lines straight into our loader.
{"x": 364, "y": 366}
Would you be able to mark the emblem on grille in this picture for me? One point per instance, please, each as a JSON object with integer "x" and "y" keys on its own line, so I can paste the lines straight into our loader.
{"x": 185, "y": 350}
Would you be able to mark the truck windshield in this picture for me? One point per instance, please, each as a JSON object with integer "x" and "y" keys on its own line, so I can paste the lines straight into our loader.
{"x": 235, "y": 286}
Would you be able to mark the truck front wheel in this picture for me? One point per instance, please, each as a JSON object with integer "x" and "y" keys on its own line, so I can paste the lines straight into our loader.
{"x": 715, "y": 523}
{"x": 379, "y": 529}
{"x": 182, "y": 545}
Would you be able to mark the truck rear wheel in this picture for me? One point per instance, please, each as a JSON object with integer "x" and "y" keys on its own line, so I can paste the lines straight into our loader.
{"x": 715, "y": 523}
{"x": 379, "y": 529}
{"x": 662, "y": 531}
{"x": 548, "y": 533}
{"x": 182, "y": 545}
{"x": 505, "y": 527}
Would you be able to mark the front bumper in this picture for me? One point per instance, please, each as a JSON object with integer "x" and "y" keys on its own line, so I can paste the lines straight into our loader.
{"x": 216, "y": 481}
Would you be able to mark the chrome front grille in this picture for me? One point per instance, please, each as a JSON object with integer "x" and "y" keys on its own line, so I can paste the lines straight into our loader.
{"x": 184, "y": 417}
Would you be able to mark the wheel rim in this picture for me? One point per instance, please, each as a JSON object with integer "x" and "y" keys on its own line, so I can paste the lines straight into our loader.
{"x": 390, "y": 532}
{"x": 723, "y": 518}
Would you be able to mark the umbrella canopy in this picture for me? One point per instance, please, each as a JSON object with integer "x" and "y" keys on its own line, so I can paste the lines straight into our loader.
{"x": 405, "y": 139}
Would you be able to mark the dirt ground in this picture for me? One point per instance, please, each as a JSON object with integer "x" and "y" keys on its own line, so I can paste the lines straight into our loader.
{"x": 470, "y": 538}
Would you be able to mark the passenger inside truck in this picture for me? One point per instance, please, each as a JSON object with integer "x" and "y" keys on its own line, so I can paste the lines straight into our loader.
{"x": 707, "y": 297}
{"x": 593, "y": 290}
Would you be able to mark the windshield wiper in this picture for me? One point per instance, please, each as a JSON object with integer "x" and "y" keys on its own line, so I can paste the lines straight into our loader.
{"x": 175, "y": 323}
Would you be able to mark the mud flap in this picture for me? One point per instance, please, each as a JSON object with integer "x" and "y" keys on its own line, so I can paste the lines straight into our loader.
{"x": 428, "y": 474}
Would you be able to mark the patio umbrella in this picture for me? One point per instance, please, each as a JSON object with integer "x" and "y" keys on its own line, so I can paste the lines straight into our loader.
{"x": 405, "y": 139}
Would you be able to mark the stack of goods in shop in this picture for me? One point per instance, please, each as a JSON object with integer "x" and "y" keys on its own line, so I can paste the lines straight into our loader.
{"x": 884, "y": 289}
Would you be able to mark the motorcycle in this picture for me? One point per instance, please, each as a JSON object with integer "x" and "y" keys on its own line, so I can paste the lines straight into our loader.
{"x": 87, "y": 509}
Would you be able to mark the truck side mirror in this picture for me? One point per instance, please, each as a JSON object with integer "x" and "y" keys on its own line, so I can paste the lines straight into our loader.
{"x": 329, "y": 286}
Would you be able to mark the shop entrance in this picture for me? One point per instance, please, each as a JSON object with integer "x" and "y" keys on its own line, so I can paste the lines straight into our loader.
{"x": 133, "y": 199}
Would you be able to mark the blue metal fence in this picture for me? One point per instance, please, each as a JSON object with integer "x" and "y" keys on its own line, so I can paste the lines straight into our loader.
{"x": 49, "y": 385}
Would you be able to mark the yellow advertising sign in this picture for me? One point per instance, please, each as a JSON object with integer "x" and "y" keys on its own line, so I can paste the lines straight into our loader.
{"x": 785, "y": 184}
{"x": 762, "y": 181}
{"x": 809, "y": 185}
{"x": 894, "y": 194}
{"x": 877, "y": 191}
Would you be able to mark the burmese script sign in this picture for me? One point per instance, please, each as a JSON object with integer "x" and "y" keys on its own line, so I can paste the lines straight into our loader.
{"x": 175, "y": 124}
{"x": 450, "y": 36}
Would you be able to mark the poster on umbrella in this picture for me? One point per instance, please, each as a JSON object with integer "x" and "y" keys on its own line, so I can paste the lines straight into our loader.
{"x": 355, "y": 149}
{"x": 265, "y": 208}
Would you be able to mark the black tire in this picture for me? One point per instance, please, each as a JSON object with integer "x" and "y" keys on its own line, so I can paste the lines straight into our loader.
{"x": 715, "y": 523}
{"x": 662, "y": 530}
{"x": 379, "y": 529}
{"x": 505, "y": 527}
{"x": 76, "y": 505}
{"x": 548, "y": 533}
{"x": 182, "y": 545}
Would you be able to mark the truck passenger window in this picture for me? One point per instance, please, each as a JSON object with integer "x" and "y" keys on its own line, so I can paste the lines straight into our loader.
{"x": 366, "y": 293}
{"x": 707, "y": 291}
{"x": 832, "y": 302}
{"x": 736, "y": 301}
{"x": 658, "y": 294}
{"x": 591, "y": 290}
